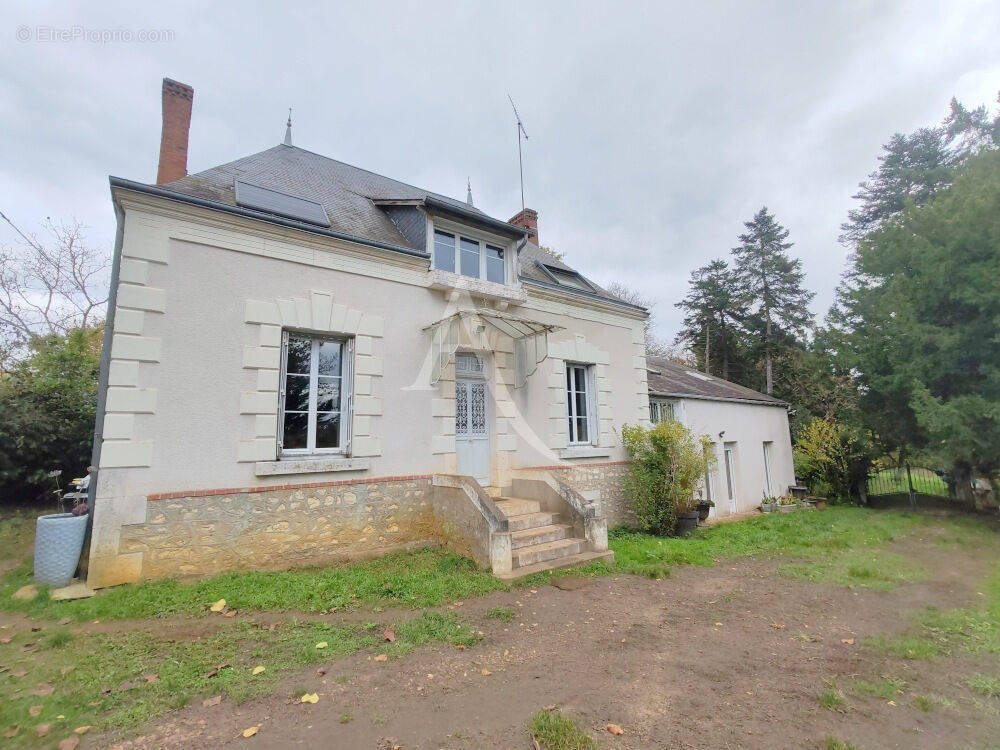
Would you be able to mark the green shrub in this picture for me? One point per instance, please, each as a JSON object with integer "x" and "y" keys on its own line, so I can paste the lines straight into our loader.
{"x": 47, "y": 407}
{"x": 667, "y": 464}
{"x": 832, "y": 458}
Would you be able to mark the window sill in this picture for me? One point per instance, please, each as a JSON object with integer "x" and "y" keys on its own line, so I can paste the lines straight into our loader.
{"x": 584, "y": 451}
{"x": 438, "y": 279}
{"x": 310, "y": 465}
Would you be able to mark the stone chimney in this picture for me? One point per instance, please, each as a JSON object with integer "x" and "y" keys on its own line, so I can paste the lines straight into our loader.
{"x": 527, "y": 218}
{"x": 177, "y": 100}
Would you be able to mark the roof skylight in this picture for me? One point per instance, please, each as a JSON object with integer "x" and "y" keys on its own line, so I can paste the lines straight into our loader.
{"x": 281, "y": 204}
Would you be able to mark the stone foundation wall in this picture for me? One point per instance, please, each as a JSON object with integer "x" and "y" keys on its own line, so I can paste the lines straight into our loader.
{"x": 602, "y": 481}
{"x": 281, "y": 527}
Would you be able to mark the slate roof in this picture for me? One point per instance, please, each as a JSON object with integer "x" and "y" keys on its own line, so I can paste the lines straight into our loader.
{"x": 347, "y": 193}
{"x": 667, "y": 378}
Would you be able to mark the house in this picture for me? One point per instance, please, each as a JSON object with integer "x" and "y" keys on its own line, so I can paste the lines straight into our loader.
{"x": 751, "y": 441}
{"x": 306, "y": 362}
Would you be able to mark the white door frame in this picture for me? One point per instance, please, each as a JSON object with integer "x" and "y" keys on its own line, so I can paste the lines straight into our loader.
{"x": 472, "y": 428}
{"x": 729, "y": 458}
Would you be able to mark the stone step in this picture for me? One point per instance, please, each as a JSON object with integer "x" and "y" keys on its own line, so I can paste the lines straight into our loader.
{"x": 539, "y": 535}
{"x": 493, "y": 491}
{"x": 560, "y": 562}
{"x": 515, "y": 506}
{"x": 537, "y": 553}
{"x": 530, "y": 521}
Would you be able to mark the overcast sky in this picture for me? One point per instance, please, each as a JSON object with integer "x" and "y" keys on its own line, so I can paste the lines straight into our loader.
{"x": 655, "y": 129}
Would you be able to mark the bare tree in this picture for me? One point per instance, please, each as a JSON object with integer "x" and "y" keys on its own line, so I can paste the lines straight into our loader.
{"x": 51, "y": 285}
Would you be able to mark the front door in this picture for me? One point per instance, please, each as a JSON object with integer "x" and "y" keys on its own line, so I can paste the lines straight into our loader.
{"x": 472, "y": 434}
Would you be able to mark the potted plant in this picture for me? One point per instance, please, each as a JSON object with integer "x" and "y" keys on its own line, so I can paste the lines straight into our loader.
{"x": 666, "y": 467}
{"x": 787, "y": 503}
{"x": 58, "y": 542}
{"x": 704, "y": 507}
{"x": 768, "y": 504}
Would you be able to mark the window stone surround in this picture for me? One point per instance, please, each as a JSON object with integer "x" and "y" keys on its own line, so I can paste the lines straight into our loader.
{"x": 580, "y": 351}
{"x": 316, "y": 314}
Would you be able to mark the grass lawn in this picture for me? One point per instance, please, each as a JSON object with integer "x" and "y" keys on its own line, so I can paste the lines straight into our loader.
{"x": 431, "y": 577}
{"x": 554, "y": 731}
{"x": 121, "y": 681}
{"x": 65, "y": 678}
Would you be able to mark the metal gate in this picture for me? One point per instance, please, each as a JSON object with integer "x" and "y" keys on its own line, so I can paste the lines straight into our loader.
{"x": 904, "y": 485}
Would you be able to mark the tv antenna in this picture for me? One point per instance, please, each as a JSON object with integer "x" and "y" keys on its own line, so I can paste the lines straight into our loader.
{"x": 520, "y": 131}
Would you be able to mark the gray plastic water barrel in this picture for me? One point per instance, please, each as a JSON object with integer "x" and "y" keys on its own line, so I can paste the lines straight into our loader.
{"x": 58, "y": 543}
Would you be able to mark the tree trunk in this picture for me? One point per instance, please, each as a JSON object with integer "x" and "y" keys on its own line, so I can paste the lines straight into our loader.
{"x": 723, "y": 338}
{"x": 769, "y": 375}
{"x": 708, "y": 338}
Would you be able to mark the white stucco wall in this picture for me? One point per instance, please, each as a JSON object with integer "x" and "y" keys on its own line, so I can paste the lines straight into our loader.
{"x": 747, "y": 427}
{"x": 192, "y": 399}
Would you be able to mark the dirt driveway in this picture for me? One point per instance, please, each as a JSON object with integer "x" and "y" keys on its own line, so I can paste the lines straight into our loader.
{"x": 733, "y": 656}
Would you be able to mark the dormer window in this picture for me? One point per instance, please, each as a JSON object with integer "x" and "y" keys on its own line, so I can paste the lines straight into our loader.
{"x": 470, "y": 257}
{"x": 566, "y": 277}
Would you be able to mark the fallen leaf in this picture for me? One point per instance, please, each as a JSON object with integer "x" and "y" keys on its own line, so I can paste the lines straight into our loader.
{"x": 460, "y": 647}
{"x": 321, "y": 644}
{"x": 321, "y": 671}
{"x": 5, "y": 639}
{"x": 34, "y": 710}
{"x": 258, "y": 669}
{"x": 615, "y": 730}
{"x": 777, "y": 626}
{"x": 19, "y": 673}
{"x": 70, "y": 743}
{"x": 83, "y": 730}
{"x": 535, "y": 745}
{"x": 229, "y": 613}
{"x": 125, "y": 686}
{"x": 43, "y": 690}
{"x": 151, "y": 677}
{"x": 847, "y": 641}
{"x": 105, "y": 690}
{"x": 390, "y": 633}
{"x": 486, "y": 673}
{"x": 66, "y": 670}
{"x": 218, "y": 606}
{"x": 381, "y": 657}
{"x": 549, "y": 708}
{"x": 12, "y": 732}
{"x": 251, "y": 731}
{"x": 309, "y": 698}
{"x": 892, "y": 703}
{"x": 65, "y": 621}
{"x": 215, "y": 700}
{"x": 718, "y": 625}
{"x": 43, "y": 729}
{"x": 36, "y": 628}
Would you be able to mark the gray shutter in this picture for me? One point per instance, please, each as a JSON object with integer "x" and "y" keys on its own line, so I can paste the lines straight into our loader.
{"x": 347, "y": 397}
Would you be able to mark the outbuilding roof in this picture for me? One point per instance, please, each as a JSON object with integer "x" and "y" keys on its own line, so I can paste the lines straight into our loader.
{"x": 668, "y": 378}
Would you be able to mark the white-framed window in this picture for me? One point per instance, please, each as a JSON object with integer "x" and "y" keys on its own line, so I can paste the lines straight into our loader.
{"x": 767, "y": 469}
{"x": 471, "y": 257}
{"x": 661, "y": 410}
{"x": 315, "y": 398}
{"x": 581, "y": 405}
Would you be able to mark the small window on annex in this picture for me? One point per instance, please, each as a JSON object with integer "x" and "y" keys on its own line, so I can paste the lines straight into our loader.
{"x": 314, "y": 401}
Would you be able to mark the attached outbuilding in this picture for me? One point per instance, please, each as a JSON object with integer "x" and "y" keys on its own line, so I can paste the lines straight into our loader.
{"x": 751, "y": 441}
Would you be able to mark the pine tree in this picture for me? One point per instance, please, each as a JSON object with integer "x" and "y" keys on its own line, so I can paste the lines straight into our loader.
{"x": 713, "y": 311}
{"x": 769, "y": 283}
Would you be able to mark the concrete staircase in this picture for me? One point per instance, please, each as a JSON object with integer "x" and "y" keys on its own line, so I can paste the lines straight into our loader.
{"x": 541, "y": 540}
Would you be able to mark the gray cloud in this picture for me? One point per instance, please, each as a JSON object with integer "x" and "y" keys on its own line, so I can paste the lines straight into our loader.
{"x": 656, "y": 129}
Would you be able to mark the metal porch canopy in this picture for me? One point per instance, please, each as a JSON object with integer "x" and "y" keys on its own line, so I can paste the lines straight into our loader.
{"x": 531, "y": 344}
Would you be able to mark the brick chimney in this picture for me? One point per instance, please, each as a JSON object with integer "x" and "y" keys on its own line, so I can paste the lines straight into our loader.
{"x": 177, "y": 100}
{"x": 527, "y": 218}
